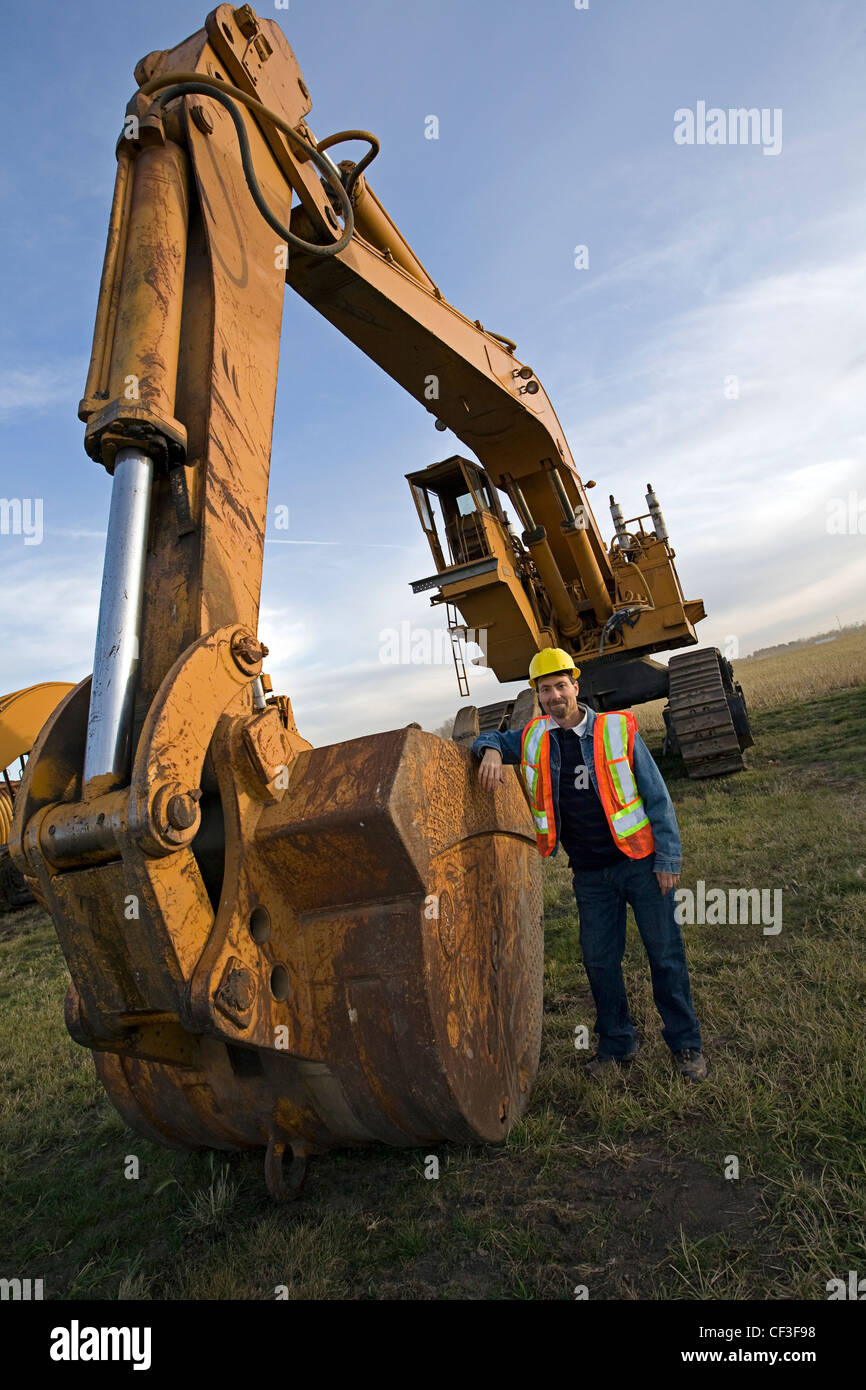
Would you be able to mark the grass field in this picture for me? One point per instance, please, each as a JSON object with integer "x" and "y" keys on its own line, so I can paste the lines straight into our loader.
{"x": 618, "y": 1186}
{"x": 787, "y": 677}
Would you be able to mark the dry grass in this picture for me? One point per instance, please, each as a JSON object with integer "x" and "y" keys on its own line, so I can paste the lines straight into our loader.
{"x": 787, "y": 678}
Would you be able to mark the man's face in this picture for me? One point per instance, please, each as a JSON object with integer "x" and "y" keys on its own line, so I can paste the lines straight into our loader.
{"x": 557, "y": 695}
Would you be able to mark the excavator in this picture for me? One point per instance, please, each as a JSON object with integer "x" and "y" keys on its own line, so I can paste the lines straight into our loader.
{"x": 273, "y": 946}
{"x": 557, "y": 585}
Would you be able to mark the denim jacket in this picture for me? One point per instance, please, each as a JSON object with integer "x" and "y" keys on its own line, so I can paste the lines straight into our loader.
{"x": 650, "y": 785}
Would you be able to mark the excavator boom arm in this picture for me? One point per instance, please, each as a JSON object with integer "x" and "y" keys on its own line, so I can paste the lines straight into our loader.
{"x": 206, "y": 305}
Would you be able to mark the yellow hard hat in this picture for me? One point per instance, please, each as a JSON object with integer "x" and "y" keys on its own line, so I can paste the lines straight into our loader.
{"x": 550, "y": 661}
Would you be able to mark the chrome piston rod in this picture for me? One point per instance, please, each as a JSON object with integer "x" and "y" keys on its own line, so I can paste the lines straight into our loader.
{"x": 115, "y": 662}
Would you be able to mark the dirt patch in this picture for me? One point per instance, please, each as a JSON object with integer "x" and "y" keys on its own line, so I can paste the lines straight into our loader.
{"x": 506, "y": 1233}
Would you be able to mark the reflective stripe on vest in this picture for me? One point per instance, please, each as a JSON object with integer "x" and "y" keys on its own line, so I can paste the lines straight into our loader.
{"x": 613, "y": 748}
{"x": 535, "y": 770}
{"x": 616, "y": 749}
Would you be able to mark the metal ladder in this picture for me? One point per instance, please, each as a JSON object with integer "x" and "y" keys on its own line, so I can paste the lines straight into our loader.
{"x": 455, "y": 631}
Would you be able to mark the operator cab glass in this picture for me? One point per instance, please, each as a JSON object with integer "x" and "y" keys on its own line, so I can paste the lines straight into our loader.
{"x": 464, "y": 494}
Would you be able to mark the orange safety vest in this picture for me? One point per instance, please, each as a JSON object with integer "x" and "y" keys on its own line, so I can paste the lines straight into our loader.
{"x": 613, "y": 754}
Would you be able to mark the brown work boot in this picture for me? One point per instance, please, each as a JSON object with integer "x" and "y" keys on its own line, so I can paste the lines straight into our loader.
{"x": 691, "y": 1063}
{"x": 601, "y": 1065}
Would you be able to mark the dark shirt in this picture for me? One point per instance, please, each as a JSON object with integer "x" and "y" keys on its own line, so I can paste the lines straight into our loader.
{"x": 584, "y": 831}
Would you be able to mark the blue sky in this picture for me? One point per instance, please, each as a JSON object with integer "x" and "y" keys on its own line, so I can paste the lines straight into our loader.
{"x": 556, "y": 129}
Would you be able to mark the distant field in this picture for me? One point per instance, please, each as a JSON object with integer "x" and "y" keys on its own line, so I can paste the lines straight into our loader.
{"x": 787, "y": 677}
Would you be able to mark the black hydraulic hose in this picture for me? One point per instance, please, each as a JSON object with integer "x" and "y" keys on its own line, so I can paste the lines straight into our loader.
{"x": 617, "y": 621}
{"x": 189, "y": 84}
{"x": 338, "y": 138}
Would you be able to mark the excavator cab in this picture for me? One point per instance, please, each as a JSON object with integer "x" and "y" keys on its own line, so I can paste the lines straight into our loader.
{"x": 469, "y": 506}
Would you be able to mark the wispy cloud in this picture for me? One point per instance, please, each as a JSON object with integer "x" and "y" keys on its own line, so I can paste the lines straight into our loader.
{"x": 747, "y": 414}
{"x": 35, "y": 389}
{"x": 56, "y": 602}
{"x": 374, "y": 545}
{"x": 74, "y": 534}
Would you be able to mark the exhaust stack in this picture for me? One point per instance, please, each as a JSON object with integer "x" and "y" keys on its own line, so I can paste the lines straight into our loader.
{"x": 655, "y": 512}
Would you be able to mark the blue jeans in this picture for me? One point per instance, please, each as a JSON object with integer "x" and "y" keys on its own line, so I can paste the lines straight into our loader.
{"x": 602, "y": 895}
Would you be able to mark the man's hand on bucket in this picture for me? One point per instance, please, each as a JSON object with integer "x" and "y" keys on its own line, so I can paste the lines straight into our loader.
{"x": 490, "y": 773}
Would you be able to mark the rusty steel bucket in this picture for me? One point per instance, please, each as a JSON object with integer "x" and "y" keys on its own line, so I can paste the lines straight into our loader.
{"x": 343, "y": 946}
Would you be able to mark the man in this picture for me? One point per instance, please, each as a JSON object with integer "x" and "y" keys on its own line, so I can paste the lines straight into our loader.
{"x": 592, "y": 784}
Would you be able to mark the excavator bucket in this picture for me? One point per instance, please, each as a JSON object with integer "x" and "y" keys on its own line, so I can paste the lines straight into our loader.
{"x": 343, "y": 945}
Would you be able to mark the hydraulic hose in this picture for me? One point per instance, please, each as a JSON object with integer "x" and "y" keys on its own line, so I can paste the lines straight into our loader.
{"x": 338, "y": 138}
{"x": 181, "y": 84}
{"x": 618, "y": 620}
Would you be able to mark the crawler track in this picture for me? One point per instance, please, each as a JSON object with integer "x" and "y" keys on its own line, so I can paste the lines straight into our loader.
{"x": 702, "y": 712}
